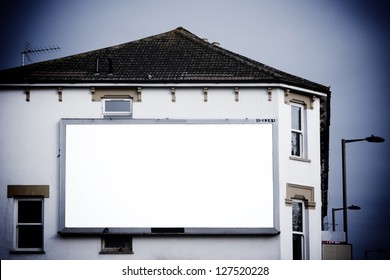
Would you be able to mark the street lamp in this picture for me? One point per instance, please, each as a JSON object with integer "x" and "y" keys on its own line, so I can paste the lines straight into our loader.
{"x": 352, "y": 207}
{"x": 371, "y": 139}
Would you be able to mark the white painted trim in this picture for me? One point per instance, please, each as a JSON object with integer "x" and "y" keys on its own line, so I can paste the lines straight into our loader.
{"x": 170, "y": 85}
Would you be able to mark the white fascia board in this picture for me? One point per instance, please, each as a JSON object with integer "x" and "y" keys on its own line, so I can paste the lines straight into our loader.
{"x": 170, "y": 85}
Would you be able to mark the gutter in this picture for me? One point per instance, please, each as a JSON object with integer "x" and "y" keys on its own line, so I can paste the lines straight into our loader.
{"x": 170, "y": 85}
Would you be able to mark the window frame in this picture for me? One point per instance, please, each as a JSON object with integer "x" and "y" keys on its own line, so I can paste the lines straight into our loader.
{"x": 127, "y": 249}
{"x": 301, "y": 234}
{"x": 17, "y": 224}
{"x": 301, "y": 132}
{"x": 106, "y": 113}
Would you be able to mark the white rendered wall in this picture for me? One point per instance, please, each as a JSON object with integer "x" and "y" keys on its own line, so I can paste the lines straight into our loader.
{"x": 304, "y": 173}
{"x": 29, "y": 146}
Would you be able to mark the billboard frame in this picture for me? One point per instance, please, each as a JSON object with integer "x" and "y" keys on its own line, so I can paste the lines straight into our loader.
{"x": 157, "y": 231}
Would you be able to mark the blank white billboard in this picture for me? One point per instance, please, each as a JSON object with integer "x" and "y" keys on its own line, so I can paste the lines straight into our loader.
{"x": 152, "y": 174}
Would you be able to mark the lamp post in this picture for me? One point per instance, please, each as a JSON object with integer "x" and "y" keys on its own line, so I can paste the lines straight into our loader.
{"x": 352, "y": 207}
{"x": 371, "y": 139}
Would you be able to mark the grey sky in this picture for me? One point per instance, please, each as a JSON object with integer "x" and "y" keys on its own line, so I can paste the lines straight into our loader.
{"x": 342, "y": 44}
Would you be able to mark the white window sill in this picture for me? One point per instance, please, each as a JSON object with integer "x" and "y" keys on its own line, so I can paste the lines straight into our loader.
{"x": 300, "y": 159}
{"x": 116, "y": 252}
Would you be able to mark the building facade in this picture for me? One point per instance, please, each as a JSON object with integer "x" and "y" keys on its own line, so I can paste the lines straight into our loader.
{"x": 170, "y": 79}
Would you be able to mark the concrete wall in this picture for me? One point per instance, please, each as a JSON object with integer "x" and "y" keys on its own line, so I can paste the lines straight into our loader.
{"x": 29, "y": 146}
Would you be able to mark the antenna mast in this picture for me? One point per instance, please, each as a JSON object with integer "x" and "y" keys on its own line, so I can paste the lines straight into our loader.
{"x": 28, "y": 51}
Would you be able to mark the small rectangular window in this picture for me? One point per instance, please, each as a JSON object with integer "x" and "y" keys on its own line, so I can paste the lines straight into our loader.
{"x": 297, "y": 130}
{"x": 298, "y": 229}
{"x": 117, "y": 107}
{"x": 29, "y": 224}
{"x": 117, "y": 244}
{"x": 296, "y": 117}
{"x": 297, "y": 216}
{"x": 298, "y": 247}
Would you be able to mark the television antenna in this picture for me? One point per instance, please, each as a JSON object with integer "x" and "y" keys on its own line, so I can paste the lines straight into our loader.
{"x": 28, "y": 51}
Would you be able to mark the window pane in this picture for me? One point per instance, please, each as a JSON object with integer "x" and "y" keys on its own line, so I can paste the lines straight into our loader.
{"x": 295, "y": 143}
{"x": 296, "y": 117}
{"x": 116, "y": 241}
{"x": 297, "y": 217}
{"x": 117, "y": 105}
{"x": 30, "y": 236}
{"x": 297, "y": 247}
{"x": 30, "y": 211}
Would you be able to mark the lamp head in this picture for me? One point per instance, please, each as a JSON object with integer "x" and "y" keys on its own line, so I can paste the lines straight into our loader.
{"x": 354, "y": 207}
{"x": 375, "y": 139}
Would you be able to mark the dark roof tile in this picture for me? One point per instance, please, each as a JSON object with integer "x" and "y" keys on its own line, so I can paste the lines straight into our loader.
{"x": 177, "y": 56}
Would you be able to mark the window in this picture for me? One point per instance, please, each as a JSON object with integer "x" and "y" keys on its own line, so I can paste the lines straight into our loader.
{"x": 297, "y": 130}
{"x": 298, "y": 227}
{"x": 117, "y": 107}
{"x": 29, "y": 224}
{"x": 117, "y": 244}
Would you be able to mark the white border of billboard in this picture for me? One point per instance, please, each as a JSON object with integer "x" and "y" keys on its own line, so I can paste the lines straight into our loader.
{"x": 136, "y": 175}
